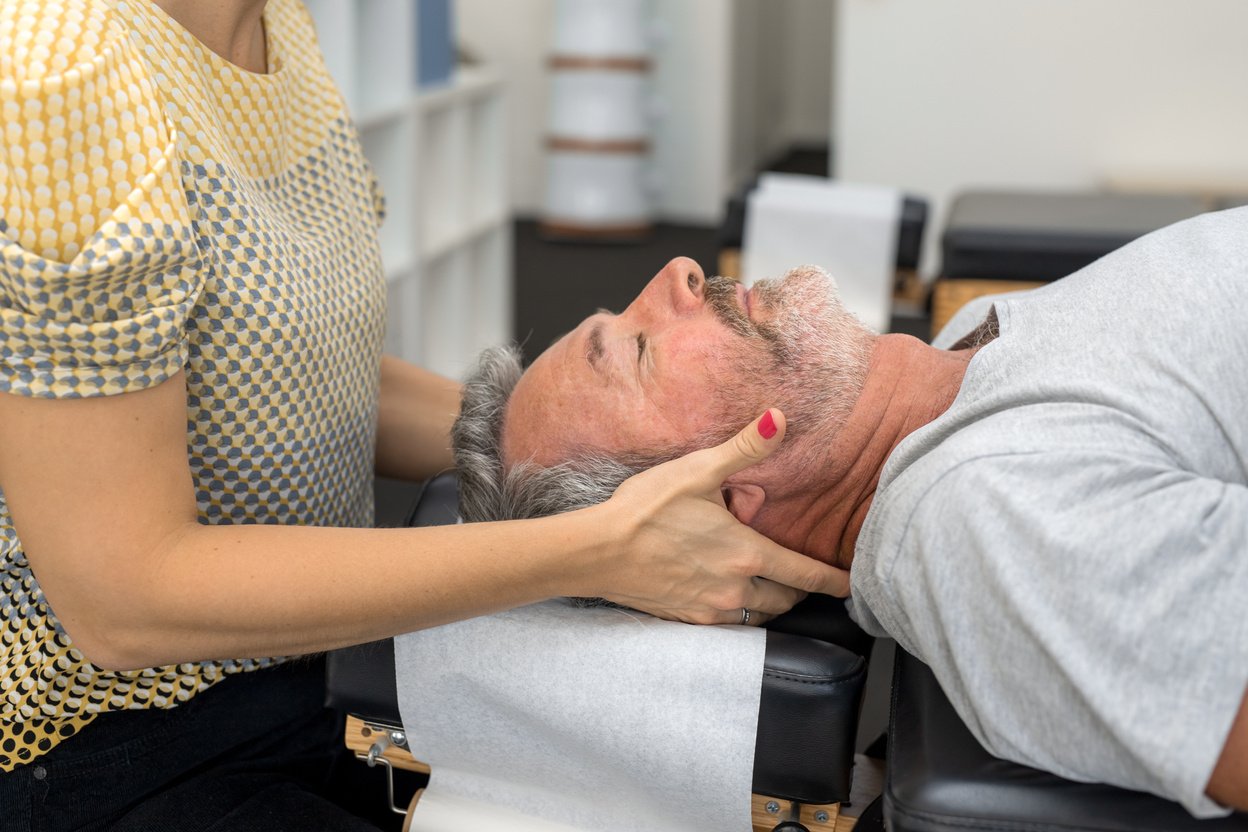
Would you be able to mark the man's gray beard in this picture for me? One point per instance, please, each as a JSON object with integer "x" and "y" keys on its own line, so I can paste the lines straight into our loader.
{"x": 816, "y": 351}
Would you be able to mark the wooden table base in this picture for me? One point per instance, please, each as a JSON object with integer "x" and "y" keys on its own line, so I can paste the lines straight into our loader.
{"x": 766, "y": 812}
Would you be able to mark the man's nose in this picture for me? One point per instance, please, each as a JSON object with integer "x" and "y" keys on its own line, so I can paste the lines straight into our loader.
{"x": 684, "y": 284}
{"x": 676, "y": 290}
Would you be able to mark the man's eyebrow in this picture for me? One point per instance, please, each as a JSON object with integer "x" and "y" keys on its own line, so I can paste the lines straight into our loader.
{"x": 593, "y": 349}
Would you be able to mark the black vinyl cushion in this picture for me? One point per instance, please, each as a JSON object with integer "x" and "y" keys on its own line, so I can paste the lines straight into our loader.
{"x": 807, "y": 719}
{"x": 824, "y": 618}
{"x": 811, "y": 693}
{"x": 1043, "y": 236}
{"x": 940, "y": 779}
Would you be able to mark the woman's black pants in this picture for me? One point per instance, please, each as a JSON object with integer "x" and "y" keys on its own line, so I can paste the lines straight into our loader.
{"x": 257, "y": 751}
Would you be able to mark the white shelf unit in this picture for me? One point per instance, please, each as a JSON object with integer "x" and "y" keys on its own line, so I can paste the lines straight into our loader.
{"x": 439, "y": 156}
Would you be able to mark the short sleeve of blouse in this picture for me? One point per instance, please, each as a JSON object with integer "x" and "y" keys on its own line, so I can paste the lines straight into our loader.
{"x": 99, "y": 269}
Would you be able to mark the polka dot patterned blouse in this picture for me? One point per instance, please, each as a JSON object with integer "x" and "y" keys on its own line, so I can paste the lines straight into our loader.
{"x": 162, "y": 209}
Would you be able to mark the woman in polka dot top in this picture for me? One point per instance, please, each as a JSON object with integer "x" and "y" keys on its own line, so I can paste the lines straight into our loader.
{"x": 193, "y": 403}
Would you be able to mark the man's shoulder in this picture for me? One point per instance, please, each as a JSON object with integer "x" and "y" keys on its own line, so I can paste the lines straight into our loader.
{"x": 997, "y": 480}
{"x": 956, "y": 480}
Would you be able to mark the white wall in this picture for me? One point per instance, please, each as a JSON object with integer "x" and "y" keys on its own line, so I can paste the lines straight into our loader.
{"x": 515, "y": 36}
{"x": 751, "y": 107}
{"x": 781, "y": 59}
{"x": 804, "y": 55}
{"x": 744, "y": 81}
{"x": 693, "y": 71}
{"x": 939, "y": 97}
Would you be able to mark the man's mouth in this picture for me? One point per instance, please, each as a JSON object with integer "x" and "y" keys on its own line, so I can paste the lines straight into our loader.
{"x": 743, "y": 295}
{"x": 720, "y": 294}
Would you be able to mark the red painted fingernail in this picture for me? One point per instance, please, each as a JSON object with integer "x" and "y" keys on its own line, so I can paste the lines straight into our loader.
{"x": 767, "y": 426}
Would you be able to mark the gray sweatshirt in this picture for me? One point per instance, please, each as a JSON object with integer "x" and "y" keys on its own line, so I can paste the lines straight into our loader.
{"x": 1067, "y": 546}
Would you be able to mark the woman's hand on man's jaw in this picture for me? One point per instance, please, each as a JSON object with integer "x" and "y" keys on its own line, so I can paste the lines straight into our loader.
{"x": 683, "y": 556}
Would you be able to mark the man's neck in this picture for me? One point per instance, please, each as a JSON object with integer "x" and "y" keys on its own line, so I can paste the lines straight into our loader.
{"x": 234, "y": 29}
{"x": 908, "y": 385}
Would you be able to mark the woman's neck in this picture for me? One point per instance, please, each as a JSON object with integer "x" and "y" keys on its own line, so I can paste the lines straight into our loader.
{"x": 234, "y": 29}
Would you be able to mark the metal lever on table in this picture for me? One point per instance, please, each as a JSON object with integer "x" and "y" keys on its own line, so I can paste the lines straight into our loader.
{"x": 375, "y": 756}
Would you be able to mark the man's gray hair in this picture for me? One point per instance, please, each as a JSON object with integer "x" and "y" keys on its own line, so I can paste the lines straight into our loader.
{"x": 487, "y": 491}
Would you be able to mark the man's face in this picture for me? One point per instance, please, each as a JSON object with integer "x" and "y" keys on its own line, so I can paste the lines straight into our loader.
{"x": 686, "y": 365}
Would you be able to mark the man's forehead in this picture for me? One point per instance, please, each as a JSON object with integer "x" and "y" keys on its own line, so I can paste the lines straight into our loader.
{"x": 561, "y": 403}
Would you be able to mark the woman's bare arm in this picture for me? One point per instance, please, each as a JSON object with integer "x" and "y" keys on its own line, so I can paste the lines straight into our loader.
{"x": 102, "y": 500}
{"x": 414, "y": 418}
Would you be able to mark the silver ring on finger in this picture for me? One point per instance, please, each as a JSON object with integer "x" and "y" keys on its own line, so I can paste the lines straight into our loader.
{"x": 745, "y": 615}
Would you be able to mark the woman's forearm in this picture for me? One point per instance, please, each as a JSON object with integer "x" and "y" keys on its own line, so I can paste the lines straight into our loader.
{"x": 415, "y": 412}
{"x": 217, "y": 592}
{"x": 103, "y": 502}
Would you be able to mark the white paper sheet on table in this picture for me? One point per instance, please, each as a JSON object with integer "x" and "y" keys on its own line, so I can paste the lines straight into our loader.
{"x": 848, "y": 229}
{"x": 597, "y": 719}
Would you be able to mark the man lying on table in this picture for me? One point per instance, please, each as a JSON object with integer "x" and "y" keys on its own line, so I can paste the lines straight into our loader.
{"x": 1052, "y": 513}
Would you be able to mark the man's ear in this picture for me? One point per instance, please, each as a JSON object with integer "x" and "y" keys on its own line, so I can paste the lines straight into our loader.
{"x": 744, "y": 500}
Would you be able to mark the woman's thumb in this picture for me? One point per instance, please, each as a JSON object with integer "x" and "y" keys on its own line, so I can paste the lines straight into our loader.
{"x": 752, "y": 444}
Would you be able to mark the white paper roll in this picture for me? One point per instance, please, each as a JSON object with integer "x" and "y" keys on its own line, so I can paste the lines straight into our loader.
{"x": 597, "y": 188}
{"x": 848, "y": 229}
{"x": 600, "y": 105}
{"x": 438, "y": 812}
{"x": 596, "y": 719}
{"x": 602, "y": 28}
